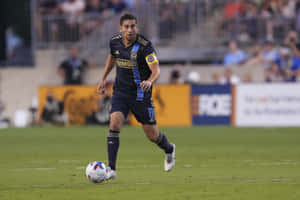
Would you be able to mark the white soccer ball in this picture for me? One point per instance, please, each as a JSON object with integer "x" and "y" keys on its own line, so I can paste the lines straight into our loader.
{"x": 96, "y": 172}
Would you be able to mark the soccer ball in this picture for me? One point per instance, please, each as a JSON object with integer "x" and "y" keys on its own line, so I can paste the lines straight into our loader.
{"x": 96, "y": 172}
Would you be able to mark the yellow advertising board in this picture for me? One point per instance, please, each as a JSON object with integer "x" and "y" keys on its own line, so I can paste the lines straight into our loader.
{"x": 172, "y": 105}
{"x": 79, "y": 101}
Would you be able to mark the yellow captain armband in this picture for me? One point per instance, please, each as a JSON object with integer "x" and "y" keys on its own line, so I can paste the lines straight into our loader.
{"x": 151, "y": 58}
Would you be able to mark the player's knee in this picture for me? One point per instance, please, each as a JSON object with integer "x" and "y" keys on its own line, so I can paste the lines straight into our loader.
{"x": 151, "y": 133}
{"x": 152, "y": 138}
{"x": 116, "y": 121}
{"x": 115, "y": 127}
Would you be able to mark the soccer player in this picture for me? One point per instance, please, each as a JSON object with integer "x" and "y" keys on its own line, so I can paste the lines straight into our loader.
{"x": 137, "y": 70}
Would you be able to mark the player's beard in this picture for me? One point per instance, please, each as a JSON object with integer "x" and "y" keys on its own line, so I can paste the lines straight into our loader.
{"x": 131, "y": 37}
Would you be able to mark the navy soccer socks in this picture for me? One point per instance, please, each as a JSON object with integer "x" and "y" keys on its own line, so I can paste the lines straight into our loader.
{"x": 164, "y": 144}
{"x": 113, "y": 142}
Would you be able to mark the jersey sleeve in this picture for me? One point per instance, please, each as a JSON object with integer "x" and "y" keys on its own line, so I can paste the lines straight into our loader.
{"x": 150, "y": 54}
{"x": 111, "y": 48}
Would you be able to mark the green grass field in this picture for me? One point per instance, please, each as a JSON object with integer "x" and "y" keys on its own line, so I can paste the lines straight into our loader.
{"x": 212, "y": 163}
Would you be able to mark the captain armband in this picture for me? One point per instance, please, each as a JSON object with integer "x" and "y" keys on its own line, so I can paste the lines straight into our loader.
{"x": 151, "y": 58}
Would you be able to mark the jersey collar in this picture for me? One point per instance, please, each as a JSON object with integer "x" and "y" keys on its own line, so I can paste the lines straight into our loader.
{"x": 131, "y": 45}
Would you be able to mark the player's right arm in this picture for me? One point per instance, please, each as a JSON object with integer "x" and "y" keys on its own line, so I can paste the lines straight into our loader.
{"x": 110, "y": 63}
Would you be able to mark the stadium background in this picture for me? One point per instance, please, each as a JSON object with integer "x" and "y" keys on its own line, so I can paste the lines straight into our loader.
{"x": 190, "y": 36}
{"x": 216, "y": 160}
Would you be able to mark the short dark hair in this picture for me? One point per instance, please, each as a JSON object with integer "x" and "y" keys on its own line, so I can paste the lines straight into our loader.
{"x": 127, "y": 16}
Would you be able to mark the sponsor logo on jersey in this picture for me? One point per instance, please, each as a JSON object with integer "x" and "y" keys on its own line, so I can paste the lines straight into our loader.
{"x": 123, "y": 63}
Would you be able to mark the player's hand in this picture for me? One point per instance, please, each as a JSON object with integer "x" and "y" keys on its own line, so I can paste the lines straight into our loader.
{"x": 101, "y": 87}
{"x": 146, "y": 85}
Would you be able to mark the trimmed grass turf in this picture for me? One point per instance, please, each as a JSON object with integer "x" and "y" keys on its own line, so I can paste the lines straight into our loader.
{"x": 212, "y": 163}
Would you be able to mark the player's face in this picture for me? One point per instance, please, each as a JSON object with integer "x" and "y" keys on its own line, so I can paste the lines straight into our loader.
{"x": 129, "y": 29}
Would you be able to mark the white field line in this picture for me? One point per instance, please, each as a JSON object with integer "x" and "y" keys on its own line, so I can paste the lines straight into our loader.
{"x": 83, "y": 167}
{"x": 255, "y": 180}
{"x": 263, "y": 180}
{"x": 127, "y": 167}
{"x": 138, "y": 166}
{"x": 271, "y": 163}
{"x": 274, "y": 163}
{"x": 251, "y": 162}
{"x": 208, "y": 180}
{"x": 53, "y": 185}
{"x": 69, "y": 161}
{"x": 32, "y": 169}
{"x": 270, "y": 160}
{"x": 139, "y": 183}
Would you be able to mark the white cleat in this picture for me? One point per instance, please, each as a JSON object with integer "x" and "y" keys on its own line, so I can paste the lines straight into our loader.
{"x": 170, "y": 160}
{"x": 110, "y": 174}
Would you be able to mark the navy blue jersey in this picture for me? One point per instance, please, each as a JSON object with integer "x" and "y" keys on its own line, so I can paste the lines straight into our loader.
{"x": 132, "y": 67}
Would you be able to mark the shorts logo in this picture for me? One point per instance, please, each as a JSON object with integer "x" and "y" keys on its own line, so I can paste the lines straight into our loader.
{"x": 151, "y": 114}
{"x": 117, "y": 52}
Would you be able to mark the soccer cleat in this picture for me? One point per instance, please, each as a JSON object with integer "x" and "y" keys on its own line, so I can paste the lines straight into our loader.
{"x": 170, "y": 160}
{"x": 110, "y": 174}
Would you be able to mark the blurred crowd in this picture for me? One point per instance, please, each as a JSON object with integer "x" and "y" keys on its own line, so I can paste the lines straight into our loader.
{"x": 242, "y": 19}
{"x": 49, "y": 21}
{"x": 281, "y": 61}
{"x": 260, "y": 19}
{"x": 246, "y": 21}
{"x": 62, "y": 20}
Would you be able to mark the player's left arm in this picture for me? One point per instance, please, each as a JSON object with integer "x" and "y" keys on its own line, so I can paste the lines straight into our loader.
{"x": 154, "y": 67}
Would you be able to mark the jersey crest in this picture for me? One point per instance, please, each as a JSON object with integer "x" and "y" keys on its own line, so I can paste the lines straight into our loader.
{"x": 142, "y": 41}
{"x": 133, "y": 55}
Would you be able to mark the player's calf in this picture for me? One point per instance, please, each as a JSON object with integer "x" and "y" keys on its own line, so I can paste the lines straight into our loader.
{"x": 163, "y": 143}
{"x": 113, "y": 142}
